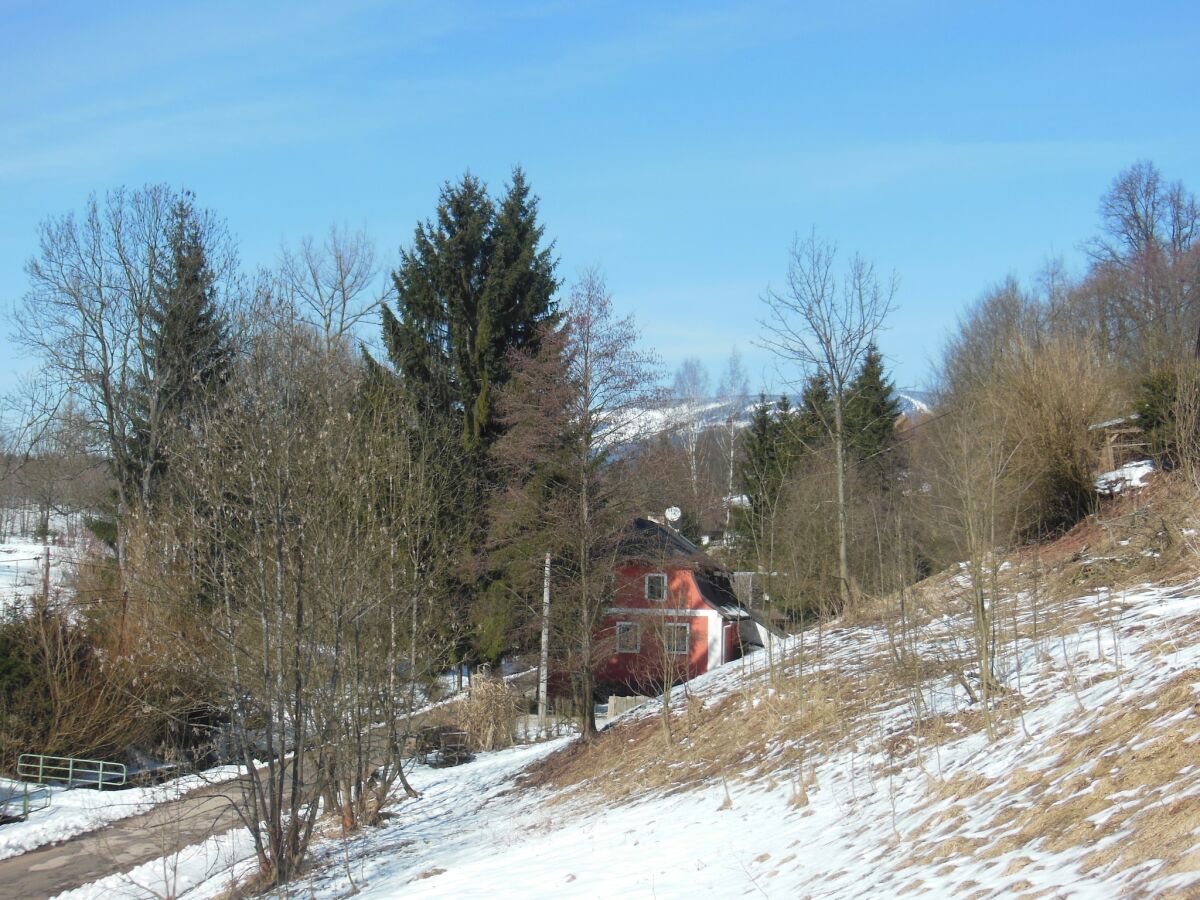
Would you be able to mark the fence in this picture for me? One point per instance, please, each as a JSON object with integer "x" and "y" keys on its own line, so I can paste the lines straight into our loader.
{"x": 71, "y": 772}
{"x": 619, "y": 705}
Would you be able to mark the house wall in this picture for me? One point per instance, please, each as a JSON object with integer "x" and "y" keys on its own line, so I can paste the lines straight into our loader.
{"x": 682, "y": 592}
{"x": 683, "y": 605}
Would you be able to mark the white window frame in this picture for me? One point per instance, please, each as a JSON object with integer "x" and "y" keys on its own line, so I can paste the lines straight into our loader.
{"x": 637, "y": 637}
{"x": 646, "y": 587}
{"x": 687, "y": 641}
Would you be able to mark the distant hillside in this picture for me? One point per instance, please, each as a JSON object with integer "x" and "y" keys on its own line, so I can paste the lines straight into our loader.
{"x": 915, "y": 404}
{"x": 712, "y": 413}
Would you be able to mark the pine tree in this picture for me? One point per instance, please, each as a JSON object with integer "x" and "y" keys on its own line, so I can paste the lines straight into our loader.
{"x": 475, "y": 286}
{"x": 475, "y": 290}
{"x": 872, "y": 408}
{"x": 187, "y": 351}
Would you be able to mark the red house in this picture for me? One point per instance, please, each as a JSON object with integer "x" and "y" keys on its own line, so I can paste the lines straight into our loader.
{"x": 674, "y": 614}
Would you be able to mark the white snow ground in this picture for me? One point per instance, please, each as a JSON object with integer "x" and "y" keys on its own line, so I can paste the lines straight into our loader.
{"x": 1129, "y": 476}
{"x": 874, "y": 823}
{"x": 22, "y": 572}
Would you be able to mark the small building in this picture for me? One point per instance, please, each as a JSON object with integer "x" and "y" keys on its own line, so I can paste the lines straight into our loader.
{"x": 1119, "y": 441}
{"x": 674, "y": 614}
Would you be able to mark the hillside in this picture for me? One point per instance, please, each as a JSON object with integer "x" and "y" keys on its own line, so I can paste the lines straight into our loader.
{"x": 854, "y": 763}
{"x": 715, "y": 413}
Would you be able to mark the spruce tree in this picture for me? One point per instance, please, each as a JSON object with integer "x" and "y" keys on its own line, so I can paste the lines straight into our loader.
{"x": 475, "y": 285}
{"x": 475, "y": 289}
{"x": 872, "y": 408}
{"x": 770, "y": 450}
{"x": 813, "y": 418}
{"x": 187, "y": 352}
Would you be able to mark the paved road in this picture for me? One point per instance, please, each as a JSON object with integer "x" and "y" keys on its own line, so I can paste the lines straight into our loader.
{"x": 126, "y": 843}
{"x": 120, "y": 846}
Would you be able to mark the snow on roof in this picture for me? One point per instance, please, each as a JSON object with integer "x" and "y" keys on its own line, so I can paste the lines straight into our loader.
{"x": 1112, "y": 423}
{"x": 716, "y": 593}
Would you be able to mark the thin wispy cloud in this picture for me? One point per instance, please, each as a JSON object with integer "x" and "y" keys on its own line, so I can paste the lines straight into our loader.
{"x": 680, "y": 144}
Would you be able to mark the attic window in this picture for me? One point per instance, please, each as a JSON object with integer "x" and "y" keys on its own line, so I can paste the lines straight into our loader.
{"x": 629, "y": 638}
{"x": 676, "y": 638}
{"x": 656, "y": 586}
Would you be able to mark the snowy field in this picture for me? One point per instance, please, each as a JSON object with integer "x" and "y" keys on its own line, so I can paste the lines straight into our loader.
{"x": 22, "y": 573}
{"x": 1086, "y": 793}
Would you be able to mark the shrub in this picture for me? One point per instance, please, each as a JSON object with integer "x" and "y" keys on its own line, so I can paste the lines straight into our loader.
{"x": 1167, "y": 413}
{"x": 489, "y": 714}
{"x": 1058, "y": 389}
{"x": 24, "y": 695}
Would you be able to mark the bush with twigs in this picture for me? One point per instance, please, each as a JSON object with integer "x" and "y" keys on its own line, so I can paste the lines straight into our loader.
{"x": 489, "y": 714}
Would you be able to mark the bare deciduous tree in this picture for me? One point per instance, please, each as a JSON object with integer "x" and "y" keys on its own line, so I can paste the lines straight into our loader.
{"x": 733, "y": 394}
{"x": 87, "y": 315}
{"x": 301, "y": 561}
{"x": 1146, "y": 266}
{"x": 334, "y": 285}
{"x": 689, "y": 393}
{"x": 823, "y": 323}
{"x": 571, "y": 412}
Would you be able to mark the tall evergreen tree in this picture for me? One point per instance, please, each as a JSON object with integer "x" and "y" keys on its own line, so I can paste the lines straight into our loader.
{"x": 475, "y": 285}
{"x": 186, "y": 349}
{"x": 813, "y": 418}
{"x": 770, "y": 450}
{"x": 474, "y": 290}
{"x": 872, "y": 408}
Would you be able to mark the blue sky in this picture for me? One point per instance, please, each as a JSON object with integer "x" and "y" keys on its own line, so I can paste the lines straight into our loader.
{"x": 678, "y": 146}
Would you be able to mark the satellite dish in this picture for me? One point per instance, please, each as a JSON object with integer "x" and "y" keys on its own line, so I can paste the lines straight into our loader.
{"x": 674, "y": 514}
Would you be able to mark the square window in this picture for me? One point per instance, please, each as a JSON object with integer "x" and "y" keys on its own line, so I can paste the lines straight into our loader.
{"x": 629, "y": 638}
{"x": 677, "y": 638}
{"x": 656, "y": 586}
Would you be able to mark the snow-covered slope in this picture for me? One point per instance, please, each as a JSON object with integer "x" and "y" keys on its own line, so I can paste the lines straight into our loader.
{"x": 22, "y": 573}
{"x": 717, "y": 413}
{"x": 854, "y": 762}
{"x": 1101, "y": 761}
{"x": 914, "y": 404}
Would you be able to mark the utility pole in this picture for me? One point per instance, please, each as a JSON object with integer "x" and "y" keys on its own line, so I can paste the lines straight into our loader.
{"x": 544, "y": 663}
{"x": 729, "y": 490}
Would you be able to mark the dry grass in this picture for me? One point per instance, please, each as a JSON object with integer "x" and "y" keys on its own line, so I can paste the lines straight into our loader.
{"x": 767, "y": 729}
{"x": 489, "y": 714}
{"x": 1112, "y": 778}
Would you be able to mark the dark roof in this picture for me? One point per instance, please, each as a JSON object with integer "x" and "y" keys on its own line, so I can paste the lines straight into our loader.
{"x": 649, "y": 542}
{"x": 717, "y": 594}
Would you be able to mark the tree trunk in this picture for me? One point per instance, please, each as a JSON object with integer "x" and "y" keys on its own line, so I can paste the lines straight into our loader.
{"x": 839, "y": 446}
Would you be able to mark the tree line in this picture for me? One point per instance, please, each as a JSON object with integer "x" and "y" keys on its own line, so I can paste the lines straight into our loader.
{"x": 306, "y": 526}
{"x": 306, "y": 532}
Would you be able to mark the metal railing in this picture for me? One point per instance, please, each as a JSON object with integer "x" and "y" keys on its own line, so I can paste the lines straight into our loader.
{"x": 72, "y": 772}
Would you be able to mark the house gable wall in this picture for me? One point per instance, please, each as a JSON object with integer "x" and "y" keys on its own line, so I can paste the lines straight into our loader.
{"x": 709, "y": 642}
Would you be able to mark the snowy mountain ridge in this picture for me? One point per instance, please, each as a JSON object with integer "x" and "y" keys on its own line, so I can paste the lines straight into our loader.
{"x": 719, "y": 413}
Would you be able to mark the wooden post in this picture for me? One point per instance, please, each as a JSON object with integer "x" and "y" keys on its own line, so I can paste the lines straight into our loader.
{"x": 46, "y": 571}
